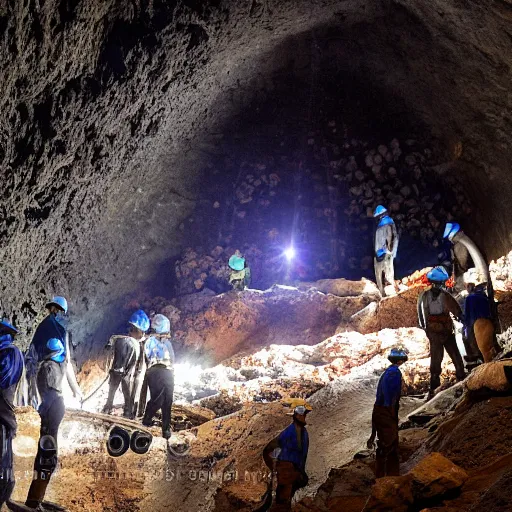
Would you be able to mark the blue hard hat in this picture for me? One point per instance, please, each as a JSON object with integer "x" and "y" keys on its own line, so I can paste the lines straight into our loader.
{"x": 236, "y": 262}
{"x": 451, "y": 229}
{"x": 140, "y": 320}
{"x": 7, "y": 328}
{"x": 57, "y": 348}
{"x": 438, "y": 274}
{"x": 60, "y": 302}
{"x": 161, "y": 324}
{"x": 379, "y": 211}
{"x": 398, "y": 353}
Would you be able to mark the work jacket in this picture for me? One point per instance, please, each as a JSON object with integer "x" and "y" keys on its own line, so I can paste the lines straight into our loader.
{"x": 11, "y": 370}
{"x": 38, "y": 350}
{"x": 389, "y": 388}
{"x": 159, "y": 351}
{"x": 290, "y": 449}
{"x": 436, "y": 310}
{"x": 386, "y": 236}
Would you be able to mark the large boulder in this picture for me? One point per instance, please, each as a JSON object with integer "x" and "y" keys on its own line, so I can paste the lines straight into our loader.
{"x": 493, "y": 376}
{"x": 399, "y": 310}
{"x": 229, "y": 323}
{"x": 391, "y": 493}
{"x": 346, "y": 488}
{"x": 477, "y": 434}
{"x": 435, "y": 476}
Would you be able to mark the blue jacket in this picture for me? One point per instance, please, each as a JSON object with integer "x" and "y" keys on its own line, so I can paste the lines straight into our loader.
{"x": 11, "y": 362}
{"x": 11, "y": 370}
{"x": 389, "y": 388}
{"x": 38, "y": 350}
{"x": 159, "y": 351}
{"x": 289, "y": 445}
{"x": 476, "y": 306}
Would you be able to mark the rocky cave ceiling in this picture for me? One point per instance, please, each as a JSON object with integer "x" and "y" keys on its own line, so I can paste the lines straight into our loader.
{"x": 110, "y": 110}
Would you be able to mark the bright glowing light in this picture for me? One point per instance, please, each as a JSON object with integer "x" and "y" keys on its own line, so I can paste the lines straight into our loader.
{"x": 187, "y": 373}
{"x": 290, "y": 253}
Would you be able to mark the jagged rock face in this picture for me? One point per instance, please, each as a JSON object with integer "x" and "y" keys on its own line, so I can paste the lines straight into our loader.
{"x": 110, "y": 108}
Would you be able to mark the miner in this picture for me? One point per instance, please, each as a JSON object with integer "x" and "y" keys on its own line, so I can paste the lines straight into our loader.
{"x": 128, "y": 364}
{"x": 434, "y": 308}
{"x": 160, "y": 373}
{"x": 290, "y": 449}
{"x": 385, "y": 248}
{"x": 385, "y": 417}
{"x": 240, "y": 276}
{"x": 48, "y": 362}
{"x": 11, "y": 371}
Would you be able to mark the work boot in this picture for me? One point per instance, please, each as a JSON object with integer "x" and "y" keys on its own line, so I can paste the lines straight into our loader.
{"x": 36, "y": 492}
{"x": 107, "y": 409}
{"x": 166, "y": 434}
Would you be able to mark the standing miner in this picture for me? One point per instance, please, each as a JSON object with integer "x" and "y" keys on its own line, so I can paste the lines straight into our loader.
{"x": 11, "y": 370}
{"x": 160, "y": 373}
{"x": 48, "y": 362}
{"x": 434, "y": 308}
{"x": 291, "y": 447}
{"x": 385, "y": 248}
{"x": 127, "y": 366}
{"x": 385, "y": 417}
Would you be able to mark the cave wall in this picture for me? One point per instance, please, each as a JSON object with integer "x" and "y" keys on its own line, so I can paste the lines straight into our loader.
{"x": 111, "y": 108}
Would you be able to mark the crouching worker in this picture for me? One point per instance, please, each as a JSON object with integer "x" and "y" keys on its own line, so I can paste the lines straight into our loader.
{"x": 240, "y": 276}
{"x": 160, "y": 373}
{"x": 385, "y": 417}
{"x": 11, "y": 370}
{"x": 48, "y": 360}
{"x": 127, "y": 363}
{"x": 291, "y": 447}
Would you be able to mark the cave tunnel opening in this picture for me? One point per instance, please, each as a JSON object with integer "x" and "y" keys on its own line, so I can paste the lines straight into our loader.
{"x": 304, "y": 165}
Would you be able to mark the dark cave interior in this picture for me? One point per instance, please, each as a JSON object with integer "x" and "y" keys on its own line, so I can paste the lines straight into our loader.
{"x": 119, "y": 137}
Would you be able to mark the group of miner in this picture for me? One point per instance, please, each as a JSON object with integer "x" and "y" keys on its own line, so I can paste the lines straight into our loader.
{"x": 144, "y": 358}
{"x": 471, "y": 303}
{"x": 449, "y": 297}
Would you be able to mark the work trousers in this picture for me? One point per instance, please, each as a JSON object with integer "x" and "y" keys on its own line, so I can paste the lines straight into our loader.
{"x": 126, "y": 381}
{"x": 161, "y": 387}
{"x": 123, "y": 372}
{"x": 289, "y": 480}
{"x": 6, "y": 465}
{"x": 441, "y": 339}
{"x": 384, "y": 272}
{"x": 51, "y": 411}
{"x": 385, "y": 422}
{"x": 483, "y": 332}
